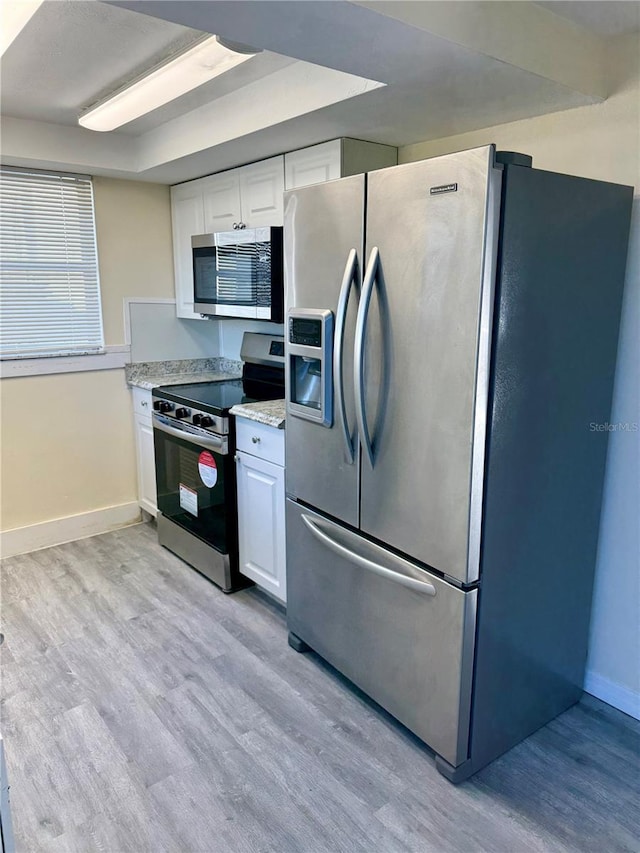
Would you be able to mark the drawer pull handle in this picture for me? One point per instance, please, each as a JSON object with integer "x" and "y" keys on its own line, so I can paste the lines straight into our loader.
{"x": 144, "y": 403}
{"x": 371, "y": 566}
{"x": 255, "y": 439}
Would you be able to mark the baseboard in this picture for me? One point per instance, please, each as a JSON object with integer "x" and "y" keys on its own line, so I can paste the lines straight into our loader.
{"x": 620, "y": 697}
{"x": 22, "y": 540}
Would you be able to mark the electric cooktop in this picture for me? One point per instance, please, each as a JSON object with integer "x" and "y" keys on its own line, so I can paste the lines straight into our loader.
{"x": 216, "y": 397}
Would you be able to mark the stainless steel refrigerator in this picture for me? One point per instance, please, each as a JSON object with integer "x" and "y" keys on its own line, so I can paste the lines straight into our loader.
{"x": 451, "y": 336}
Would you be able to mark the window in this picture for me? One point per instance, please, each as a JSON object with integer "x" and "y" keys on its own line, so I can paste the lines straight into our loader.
{"x": 49, "y": 286}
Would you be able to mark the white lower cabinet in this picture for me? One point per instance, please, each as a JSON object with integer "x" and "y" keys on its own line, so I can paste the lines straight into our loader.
{"x": 261, "y": 525}
{"x": 145, "y": 456}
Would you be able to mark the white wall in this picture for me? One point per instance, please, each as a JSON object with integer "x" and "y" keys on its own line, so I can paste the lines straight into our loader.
{"x": 67, "y": 452}
{"x": 158, "y": 335}
{"x": 603, "y": 142}
{"x": 614, "y": 654}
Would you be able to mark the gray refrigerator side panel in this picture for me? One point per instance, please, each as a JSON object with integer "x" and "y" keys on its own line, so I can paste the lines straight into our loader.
{"x": 322, "y": 224}
{"x": 559, "y": 292}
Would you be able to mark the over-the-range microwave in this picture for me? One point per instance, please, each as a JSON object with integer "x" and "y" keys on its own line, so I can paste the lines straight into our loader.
{"x": 239, "y": 273}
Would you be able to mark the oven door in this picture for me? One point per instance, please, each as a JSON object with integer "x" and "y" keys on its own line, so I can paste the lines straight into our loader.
{"x": 195, "y": 482}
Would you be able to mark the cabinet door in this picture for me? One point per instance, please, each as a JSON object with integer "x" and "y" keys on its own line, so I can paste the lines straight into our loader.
{"x": 187, "y": 217}
{"x": 261, "y": 188}
{"x": 313, "y": 165}
{"x": 221, "y": 201}
{"x": 261, "y": 528}
{"x": 146, "y": 465}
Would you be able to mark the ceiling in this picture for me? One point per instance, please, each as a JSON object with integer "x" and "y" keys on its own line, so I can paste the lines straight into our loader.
{"x": 80, "y": 50}
{"x": 610, "y": 18}
{"x": 394, "y": 72}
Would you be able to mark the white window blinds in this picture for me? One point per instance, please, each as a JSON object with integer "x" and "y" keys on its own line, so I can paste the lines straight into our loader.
{"x": 49, "y": 287}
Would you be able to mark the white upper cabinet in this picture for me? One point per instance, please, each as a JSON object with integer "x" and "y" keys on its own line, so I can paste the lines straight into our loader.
{"x": 261, "y": 189}
{"x": 313, "y": 165}
{"x": 252, "y": 197}
{"x": 187, "y": 217}
{"x": 222, "y": 209}
{"x": 335, "y": 159}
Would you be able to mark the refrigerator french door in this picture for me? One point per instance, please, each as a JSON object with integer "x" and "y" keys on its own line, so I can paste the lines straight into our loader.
{"x": 323, "y": 270}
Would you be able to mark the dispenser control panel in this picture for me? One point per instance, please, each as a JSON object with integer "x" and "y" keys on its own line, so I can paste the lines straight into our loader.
{"x": 305, "y": 331}
{"x": 310, "y": 365}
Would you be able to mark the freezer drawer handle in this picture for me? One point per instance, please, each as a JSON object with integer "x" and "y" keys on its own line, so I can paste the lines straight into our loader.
{"x": 343, "y": 302}
{"x": 412, "y": 583}
{"x": 361, "y": 334}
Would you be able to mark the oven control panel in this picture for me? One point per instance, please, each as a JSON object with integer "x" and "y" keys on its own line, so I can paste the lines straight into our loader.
{"x": 203, "y": 420}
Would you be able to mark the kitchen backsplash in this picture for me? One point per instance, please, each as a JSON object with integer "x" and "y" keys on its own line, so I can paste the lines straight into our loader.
{"x": 157, "y": 334}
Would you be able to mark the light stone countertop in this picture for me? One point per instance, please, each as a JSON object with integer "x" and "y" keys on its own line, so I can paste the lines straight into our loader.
{"x": 270, "y": 412}
{"x": 151, "y": 374}
{"x": 151, "y": 382}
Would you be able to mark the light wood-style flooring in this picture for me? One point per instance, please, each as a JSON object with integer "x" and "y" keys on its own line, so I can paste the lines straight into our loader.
{"x": 144, "y": 710}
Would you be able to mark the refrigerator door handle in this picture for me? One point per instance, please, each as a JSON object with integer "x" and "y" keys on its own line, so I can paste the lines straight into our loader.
{"x": 341, "y": 316}
{"x": 405, "y": 580}
{"x": 361, "y": 334}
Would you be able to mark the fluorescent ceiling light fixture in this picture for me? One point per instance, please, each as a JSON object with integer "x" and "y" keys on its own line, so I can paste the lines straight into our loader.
{"x": 197, "y": 65}
{"x": 14, "y": 16}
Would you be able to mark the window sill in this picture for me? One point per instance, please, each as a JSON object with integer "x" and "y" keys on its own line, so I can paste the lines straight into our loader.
{"x": 113, "y": 358}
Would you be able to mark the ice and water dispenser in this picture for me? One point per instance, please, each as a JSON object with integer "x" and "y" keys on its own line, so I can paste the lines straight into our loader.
{"x": 310, "y": 339}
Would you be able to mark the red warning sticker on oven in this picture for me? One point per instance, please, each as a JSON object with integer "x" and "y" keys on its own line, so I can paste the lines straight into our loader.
{"x": 208, "y": 469}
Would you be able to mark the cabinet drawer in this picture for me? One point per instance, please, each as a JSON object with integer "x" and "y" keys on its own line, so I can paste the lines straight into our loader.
{"x": 259, "y": 440}
{"x": 142, "y": 404}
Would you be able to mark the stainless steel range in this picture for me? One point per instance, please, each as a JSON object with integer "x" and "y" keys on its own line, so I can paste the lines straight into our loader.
{"x": 194, "y": 439}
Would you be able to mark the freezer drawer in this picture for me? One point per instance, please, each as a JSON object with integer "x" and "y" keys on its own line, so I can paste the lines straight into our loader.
{"x": 403, "y": 635}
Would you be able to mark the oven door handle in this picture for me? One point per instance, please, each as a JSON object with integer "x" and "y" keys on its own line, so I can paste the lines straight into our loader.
{"x": 211, "y": 442}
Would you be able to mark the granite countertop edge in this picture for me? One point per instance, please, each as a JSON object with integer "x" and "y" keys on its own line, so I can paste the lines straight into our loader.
{"x": 148, "y": 383}
{"x": 151, "y": 374}
{"x": 270, "y": 412}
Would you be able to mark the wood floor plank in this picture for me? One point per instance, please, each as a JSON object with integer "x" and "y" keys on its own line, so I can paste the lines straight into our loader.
{"x": 125, "y": 710}
{"x": 144, "y": 711}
